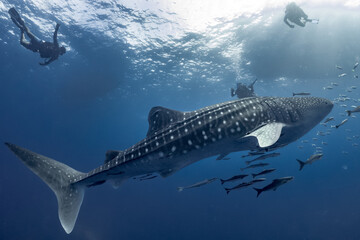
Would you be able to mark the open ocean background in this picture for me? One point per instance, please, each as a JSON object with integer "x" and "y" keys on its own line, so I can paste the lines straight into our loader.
{"x": 125, "y": 57}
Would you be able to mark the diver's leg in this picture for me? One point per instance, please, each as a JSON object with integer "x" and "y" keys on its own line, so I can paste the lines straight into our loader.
{"x": 23, "y": 41}
{"x": 32, "y": 37}
{"x": 299, "y": 23}
{"x": 17, "y": 23}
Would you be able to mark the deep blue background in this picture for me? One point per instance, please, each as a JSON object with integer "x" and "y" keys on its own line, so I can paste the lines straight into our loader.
{"x": 96, "y": 97}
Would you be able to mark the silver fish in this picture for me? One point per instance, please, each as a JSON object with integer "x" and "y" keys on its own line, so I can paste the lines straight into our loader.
{"x": 328, "y": 119}
{"x": 355, "y": 66}
{"x": 357, "y": 109}
{"x": 310, "y": 160}
{"x": 342, "y": 123}
{"x": 338, "y": 67}
{"x": 342, "y": 75}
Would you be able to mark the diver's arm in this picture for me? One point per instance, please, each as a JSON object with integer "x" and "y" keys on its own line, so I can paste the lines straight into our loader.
{"x": 55, "y": 35}
{"x": 47, "y": 61}
{"x": 303, "y": 14}
{"x": 287, "y": 23}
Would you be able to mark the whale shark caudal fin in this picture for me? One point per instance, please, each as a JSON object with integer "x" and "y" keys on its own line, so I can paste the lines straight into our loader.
{"x": 302, "y": 164}
{"x": 60, "y": 178}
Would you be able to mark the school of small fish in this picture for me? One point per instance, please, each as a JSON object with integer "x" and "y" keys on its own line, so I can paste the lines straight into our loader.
{"x": 341, "y": 101}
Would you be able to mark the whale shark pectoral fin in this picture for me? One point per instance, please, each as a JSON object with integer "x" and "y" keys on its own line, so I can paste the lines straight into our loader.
{"x": 268, "y": 134}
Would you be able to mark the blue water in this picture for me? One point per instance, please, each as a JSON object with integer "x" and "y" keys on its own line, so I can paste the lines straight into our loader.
{"x": 125, "y": 57}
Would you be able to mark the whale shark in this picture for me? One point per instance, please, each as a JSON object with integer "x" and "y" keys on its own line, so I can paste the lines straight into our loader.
{"x": 177, "y": 139}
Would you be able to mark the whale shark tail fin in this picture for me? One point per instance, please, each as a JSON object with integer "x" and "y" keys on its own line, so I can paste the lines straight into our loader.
{"x": 61, "y": 178}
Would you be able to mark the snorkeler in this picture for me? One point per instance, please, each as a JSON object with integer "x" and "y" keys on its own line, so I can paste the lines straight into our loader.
{"x": 243, "y": 91}
{"x": 295, "y": 14}
{"x": 48, "y": 50}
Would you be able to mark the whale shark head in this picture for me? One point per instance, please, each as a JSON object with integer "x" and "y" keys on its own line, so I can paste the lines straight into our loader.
{"x": 311, "y": 110}
{"x": 304, "y": 113}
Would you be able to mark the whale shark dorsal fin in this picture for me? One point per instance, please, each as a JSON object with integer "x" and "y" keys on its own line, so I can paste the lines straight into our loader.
{"x": 268, "y": 134}
{"x": 160, "y": 117}
{"x": 111, "y": 154}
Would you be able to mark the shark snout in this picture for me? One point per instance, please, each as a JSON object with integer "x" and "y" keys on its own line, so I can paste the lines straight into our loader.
{"x": 326, "y": 106}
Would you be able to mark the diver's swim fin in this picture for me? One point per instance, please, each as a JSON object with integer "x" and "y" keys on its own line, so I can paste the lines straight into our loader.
{"x": 15, "y": 17}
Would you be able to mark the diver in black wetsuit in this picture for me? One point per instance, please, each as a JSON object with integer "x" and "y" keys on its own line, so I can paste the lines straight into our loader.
{"x": 295, "y": 14}
{"x": 48, "y": 50}
{"x": 243, "y": 91}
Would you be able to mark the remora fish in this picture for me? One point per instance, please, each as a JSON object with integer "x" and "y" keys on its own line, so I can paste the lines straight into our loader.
{"x": 342, "y": 123}
{"x": 301, "y": 94}
{"x": 198, "y": 184}
{"x": 338, "y": 67}
{"x": 263, "y": 157}
{"x": 357, "y": 109}
{"x": 310, "y": 160}
{"x": 266, "y": 171}
{"x": 254, "y": 166}
{"x": 177, "y": 139}
{"x": 244, "y": 184}
{"x": 274, "y": 185}
{"x": 234, "y": 178}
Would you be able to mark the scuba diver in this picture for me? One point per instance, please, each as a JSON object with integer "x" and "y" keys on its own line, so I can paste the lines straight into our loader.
{"x": 48, "y": 50}
{"x": 295, "y": 14}
{"x": 243, "y": 91}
